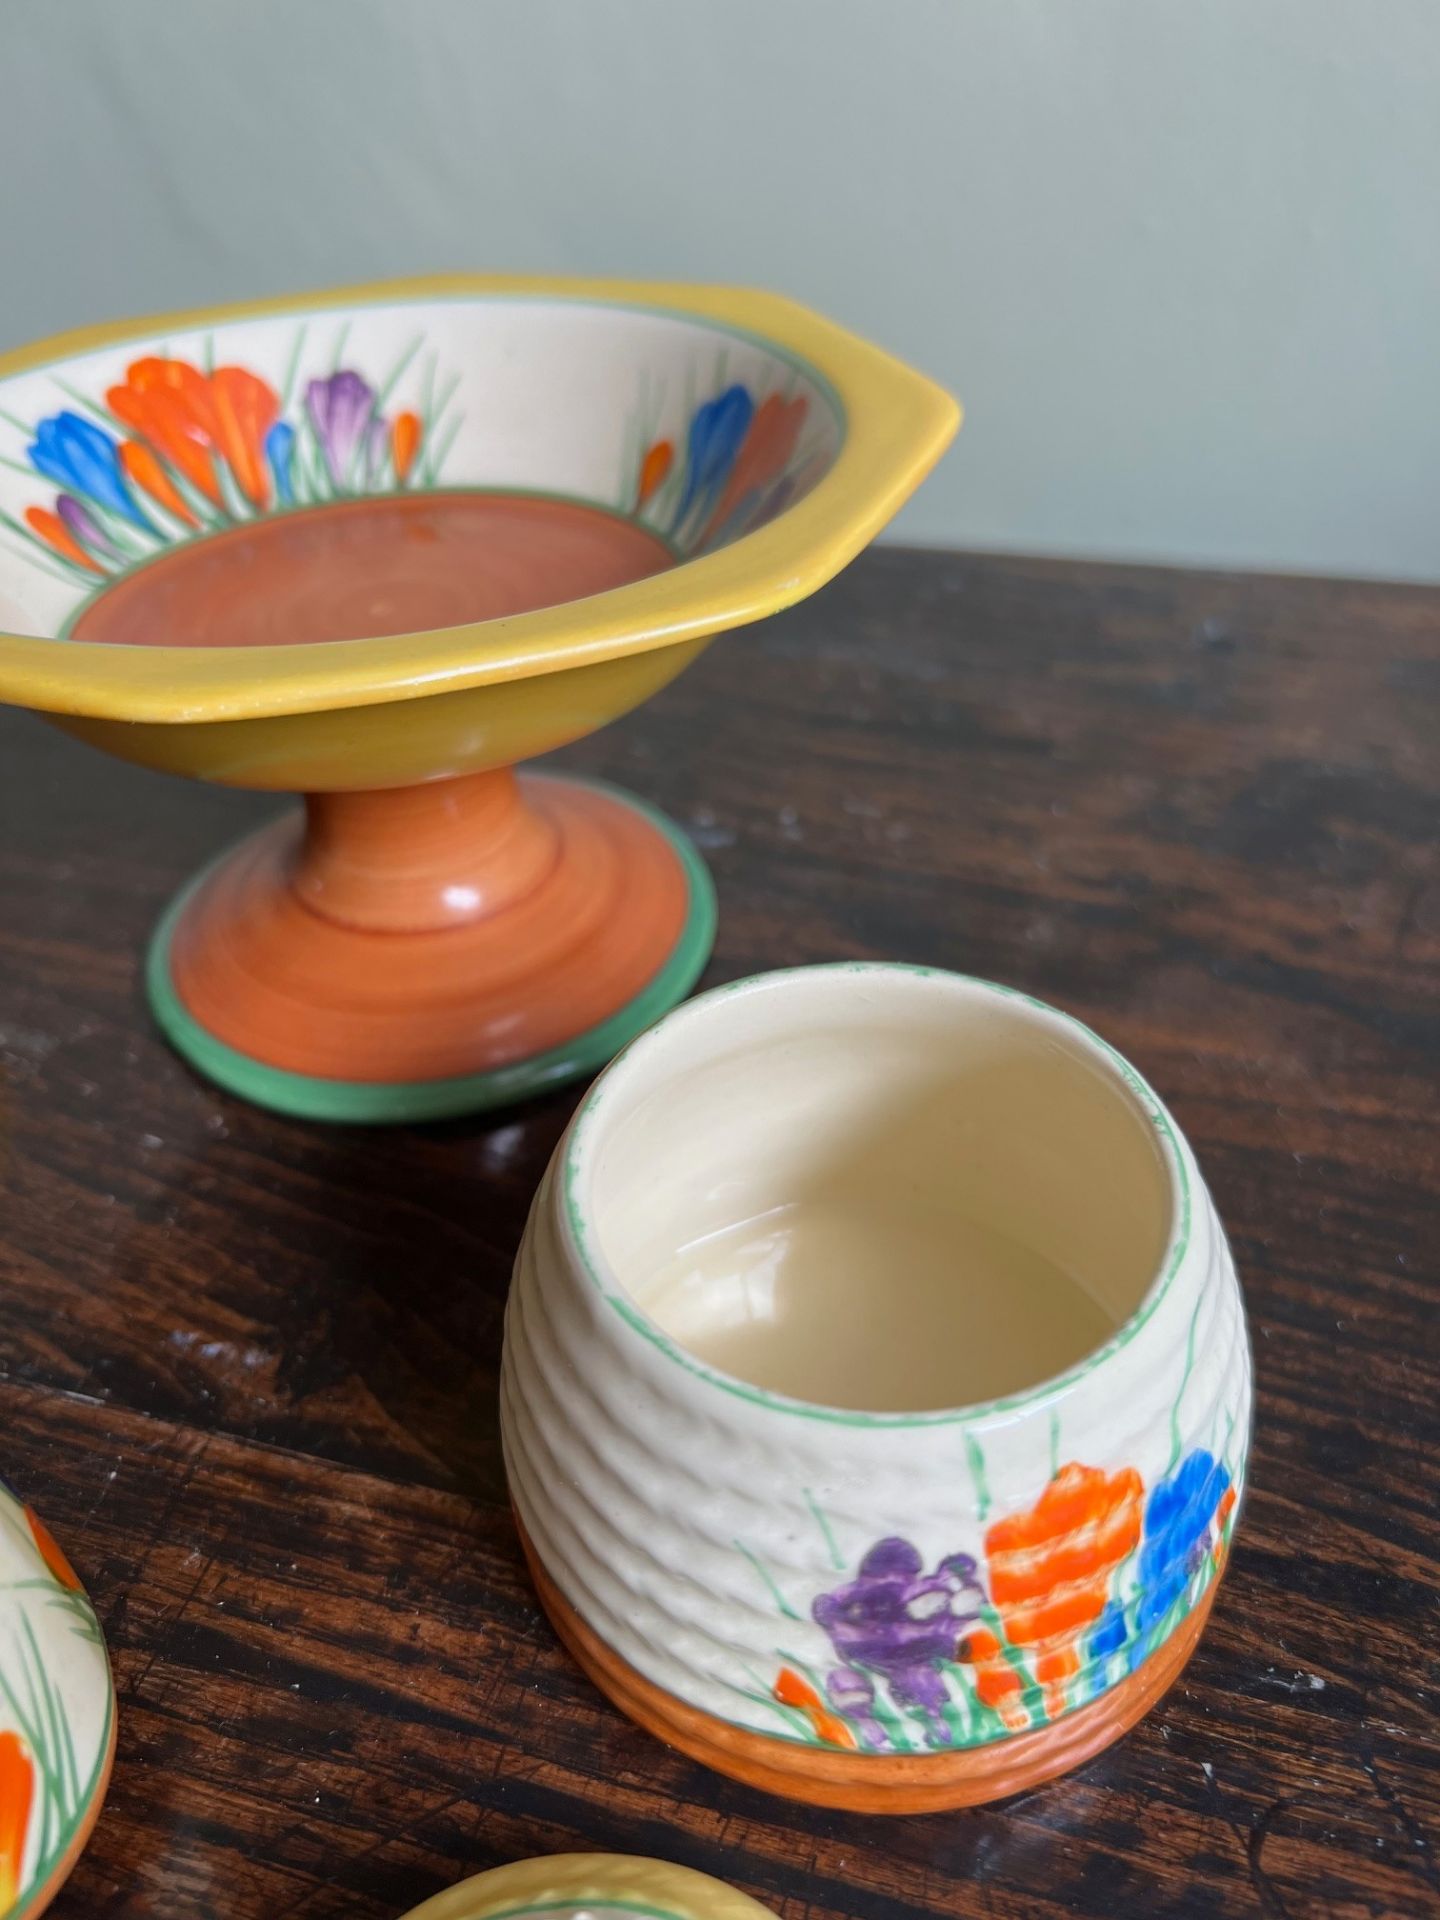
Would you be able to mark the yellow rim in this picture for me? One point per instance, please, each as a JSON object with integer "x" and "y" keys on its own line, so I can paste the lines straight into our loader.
{"x": 609, "y": 1883}
{"x": 898, "y": 424}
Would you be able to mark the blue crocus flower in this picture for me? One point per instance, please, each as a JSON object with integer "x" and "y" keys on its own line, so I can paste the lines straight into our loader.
{"x": 75, "y": 453}
{"x": 716, "y": 435}
{"x": 1177, "y": 1521}
{"x": 1108, "y": 1636}
{"x": 280, "y": 452}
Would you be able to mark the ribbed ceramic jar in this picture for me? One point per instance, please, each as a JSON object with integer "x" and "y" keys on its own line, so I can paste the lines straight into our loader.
{"x": 854, "y": 1184}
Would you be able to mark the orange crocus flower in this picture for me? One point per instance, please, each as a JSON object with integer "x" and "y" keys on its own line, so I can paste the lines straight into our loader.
{"x": 17, "y": 1793}
{"x": 145, "y": 470}
{"x": 653, "y": 469}
{"x": 51, "y": 1554}
{"x": 188, "y": 417}
{"x": 793, "y": 1691}
{"x": 54, "y": 532}
{"x": 997, "y": 1684}
{"x": 1222, "y": 1514}
{"x": 1050, "y": 1567}
{"x": 169, "y": 403}
{"x": 765, "y": 452}
{"x": 245, "y": 409}
{"x": 404, "y": 443}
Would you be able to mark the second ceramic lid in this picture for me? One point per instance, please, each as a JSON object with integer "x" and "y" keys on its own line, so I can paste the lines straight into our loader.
{"x": 577, "y": 1886}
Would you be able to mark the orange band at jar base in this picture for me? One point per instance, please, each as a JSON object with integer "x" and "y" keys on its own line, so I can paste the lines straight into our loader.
{"x": 871, "y": 1783}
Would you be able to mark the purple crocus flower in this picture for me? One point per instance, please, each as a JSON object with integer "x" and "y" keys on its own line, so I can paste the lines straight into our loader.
{"x": 82, "y": 525}
{"x": 852, "y": 1695}
{"x": 775, "y": 502}
{"x": 902, "y": 1623}
{"x": 340, "y": 409}
{"x": 753, "y": 511}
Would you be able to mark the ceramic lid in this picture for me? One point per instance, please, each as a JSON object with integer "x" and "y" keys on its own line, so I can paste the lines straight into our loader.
{"x": 57, "y": 1712}
{"x": 591, "y": 1886}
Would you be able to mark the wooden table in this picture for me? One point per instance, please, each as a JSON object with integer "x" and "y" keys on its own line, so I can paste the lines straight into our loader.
{"x": 249, "y": 1367}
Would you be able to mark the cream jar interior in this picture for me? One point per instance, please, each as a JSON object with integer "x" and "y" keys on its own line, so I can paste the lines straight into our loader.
{"x": 875, "y": 1188}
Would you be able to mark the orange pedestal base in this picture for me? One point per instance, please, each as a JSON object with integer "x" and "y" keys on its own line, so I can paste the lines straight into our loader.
{"x": 869, "y": 1782}
{"x": 432, "y": 950}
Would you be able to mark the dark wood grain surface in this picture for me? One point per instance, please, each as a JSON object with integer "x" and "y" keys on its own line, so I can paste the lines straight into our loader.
{"x": 248, "y": 1367}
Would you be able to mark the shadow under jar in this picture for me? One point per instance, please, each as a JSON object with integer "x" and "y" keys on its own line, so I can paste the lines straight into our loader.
{"x": 876, "y": 1393}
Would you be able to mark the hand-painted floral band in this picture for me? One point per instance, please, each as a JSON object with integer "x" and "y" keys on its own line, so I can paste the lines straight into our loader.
{"x": 174, "y": 452}
{"x": 930, "y": 1660}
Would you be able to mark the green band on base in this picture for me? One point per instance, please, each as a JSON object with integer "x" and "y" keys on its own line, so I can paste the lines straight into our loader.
{"x": 306, "y": 1098}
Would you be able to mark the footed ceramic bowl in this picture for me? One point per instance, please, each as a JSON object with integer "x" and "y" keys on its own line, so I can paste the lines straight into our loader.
{"x": 876, "y": 1393}
{"x": 57, "y": 1713}
{"x": 379, "y": 545}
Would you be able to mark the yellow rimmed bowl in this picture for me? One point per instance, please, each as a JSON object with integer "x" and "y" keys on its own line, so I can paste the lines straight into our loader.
{"x": 379, "y": 544}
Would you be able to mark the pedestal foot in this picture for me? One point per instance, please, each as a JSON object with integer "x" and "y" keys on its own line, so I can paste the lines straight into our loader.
{"x": 431, "y": 951}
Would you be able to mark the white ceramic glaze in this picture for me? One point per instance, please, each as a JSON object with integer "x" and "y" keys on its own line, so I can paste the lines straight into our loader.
{"x": 873, "y": 1570}
{"x": 57, "y": 1712}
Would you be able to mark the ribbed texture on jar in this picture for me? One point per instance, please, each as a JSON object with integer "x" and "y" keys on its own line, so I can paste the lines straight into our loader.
{"x": 694, "y": 1527}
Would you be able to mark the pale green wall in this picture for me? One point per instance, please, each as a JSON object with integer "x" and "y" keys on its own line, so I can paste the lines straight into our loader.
{"x": 1180, "y": 257}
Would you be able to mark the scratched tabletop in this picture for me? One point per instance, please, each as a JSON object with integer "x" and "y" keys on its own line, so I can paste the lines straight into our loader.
{"x": 248, "y": 1367}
